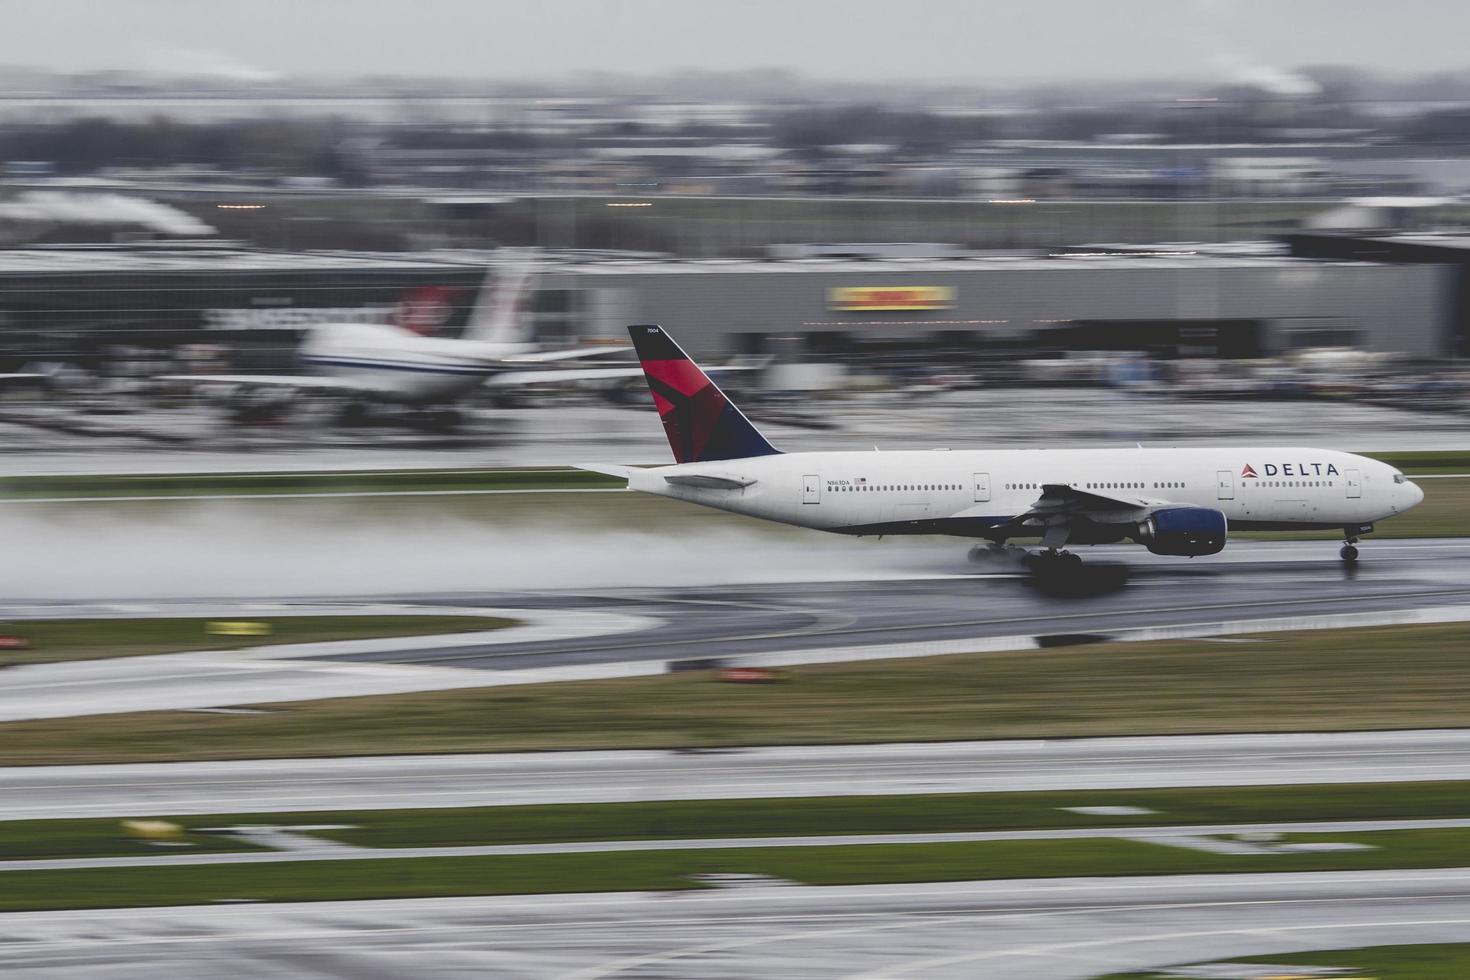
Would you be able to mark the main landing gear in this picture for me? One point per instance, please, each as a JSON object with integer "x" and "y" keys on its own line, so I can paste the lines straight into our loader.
{"x": 998, "y": 557}
{"x": 1045, "y": 560}
{"x": 1053, "y": 560}
{"x": 1349, "y": 552}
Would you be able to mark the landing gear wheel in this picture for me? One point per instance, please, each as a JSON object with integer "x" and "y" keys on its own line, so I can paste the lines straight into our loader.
{"x": 1349, "y": 553}
{"x": 1054, "y": 561}
{"x": 989, "y": 554}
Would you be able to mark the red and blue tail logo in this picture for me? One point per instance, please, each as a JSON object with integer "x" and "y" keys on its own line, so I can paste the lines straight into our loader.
{"x": 701, "y": 423}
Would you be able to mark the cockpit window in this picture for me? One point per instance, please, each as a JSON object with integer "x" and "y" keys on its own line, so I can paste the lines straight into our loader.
{"x": 1398, "y": 477}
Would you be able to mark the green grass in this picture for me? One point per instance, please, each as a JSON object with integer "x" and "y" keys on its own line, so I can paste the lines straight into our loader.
{"x": 105, "y": 837}
{"x": 689, "y": 819}
{"x": 670, "y": 870}
{"x": 1365, "y": 679}
{"x": 938, "y": 813}
{"x": 1431, "y": 961}
{"x": 53, "y": 640}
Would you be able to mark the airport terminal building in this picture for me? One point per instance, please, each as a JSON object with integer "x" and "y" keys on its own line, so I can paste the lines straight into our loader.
{"x": 73, "y": 303}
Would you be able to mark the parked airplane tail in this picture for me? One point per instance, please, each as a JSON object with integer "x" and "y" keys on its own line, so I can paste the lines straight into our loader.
{"x": 701, "y": 423}
{"x": 499, "y": 315}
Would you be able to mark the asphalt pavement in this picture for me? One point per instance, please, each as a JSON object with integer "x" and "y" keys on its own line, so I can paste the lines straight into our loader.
{"x": 1056, "y": 929}
{"x": 396, "y": 782}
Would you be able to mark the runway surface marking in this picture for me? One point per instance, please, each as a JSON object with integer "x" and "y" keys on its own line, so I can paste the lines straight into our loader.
{"x": 981, "y": 898}
{"x": 311, "y": 849}
{"x": 908, "y": 920}
{"x": 1048, "y": 949}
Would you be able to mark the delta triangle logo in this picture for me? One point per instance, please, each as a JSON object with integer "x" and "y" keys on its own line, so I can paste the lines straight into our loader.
{"x": 1248, "y": 472}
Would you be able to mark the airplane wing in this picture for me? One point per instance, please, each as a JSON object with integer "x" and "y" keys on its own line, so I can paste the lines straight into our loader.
{"x": 304, "y": 382}
{"x": 705, "y": 481}
{"x": 1060, "y": 505}
{"x": 518, "y": 379}
{"x": 1058, "y": 498}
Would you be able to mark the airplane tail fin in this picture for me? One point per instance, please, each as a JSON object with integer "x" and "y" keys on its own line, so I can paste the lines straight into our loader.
{"x": 700, "y": 422}
{"x": 499, "y": 315}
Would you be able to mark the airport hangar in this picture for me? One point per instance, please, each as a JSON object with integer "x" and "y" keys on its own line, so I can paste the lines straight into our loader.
{"x": 74, "y": 303}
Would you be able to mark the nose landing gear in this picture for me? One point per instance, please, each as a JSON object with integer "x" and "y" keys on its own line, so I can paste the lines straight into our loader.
{"x": 1349, "y": 552}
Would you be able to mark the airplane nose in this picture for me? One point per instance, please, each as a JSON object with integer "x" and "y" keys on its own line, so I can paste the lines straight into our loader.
{"x": 1416, "y": 495}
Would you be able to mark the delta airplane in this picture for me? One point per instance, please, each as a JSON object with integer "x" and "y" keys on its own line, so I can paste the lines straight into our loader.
{"x": 1180, "y": 502}
{"x": 372, "y": 363}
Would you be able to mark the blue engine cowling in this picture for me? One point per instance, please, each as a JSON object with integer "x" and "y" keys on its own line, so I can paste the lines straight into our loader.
{"x": 1183, "y": 531}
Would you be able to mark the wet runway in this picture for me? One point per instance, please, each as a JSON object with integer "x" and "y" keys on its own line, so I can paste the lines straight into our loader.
{"x": 1061, "y": 929}
{"x": 939, "y": 605}
{"x": 1124, "y": 588}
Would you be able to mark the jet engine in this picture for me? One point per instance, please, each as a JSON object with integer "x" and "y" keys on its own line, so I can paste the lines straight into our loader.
{"x": 1183, "y": 531}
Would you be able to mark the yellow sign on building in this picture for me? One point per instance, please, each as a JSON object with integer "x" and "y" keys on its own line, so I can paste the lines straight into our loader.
{"x": 885, "y": 298}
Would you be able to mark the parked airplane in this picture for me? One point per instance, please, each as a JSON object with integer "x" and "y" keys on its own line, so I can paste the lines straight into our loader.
{"x": 1172, "y": 501}
{"x": 372, "y": 363}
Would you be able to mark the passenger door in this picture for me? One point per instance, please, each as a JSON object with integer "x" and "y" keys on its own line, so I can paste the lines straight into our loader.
{"x": 1354, "y": 483}
{"x": 982, "y": 487}
{"x": 1225, "y": 485}
{"x": 811, "y": 489}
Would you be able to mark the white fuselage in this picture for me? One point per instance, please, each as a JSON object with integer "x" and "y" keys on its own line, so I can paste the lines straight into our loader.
{"x": 967, "y": 492}
{"x": 400, "y": 365}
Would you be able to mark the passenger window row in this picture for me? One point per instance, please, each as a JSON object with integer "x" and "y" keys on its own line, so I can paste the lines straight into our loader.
{"x": 869, "y": 487}
{"x": 1291, "y": 483}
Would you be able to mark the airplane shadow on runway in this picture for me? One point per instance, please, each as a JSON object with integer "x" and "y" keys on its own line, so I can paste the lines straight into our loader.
{"x": 1059, "y": 579}
{"x": 1083, "y": 581}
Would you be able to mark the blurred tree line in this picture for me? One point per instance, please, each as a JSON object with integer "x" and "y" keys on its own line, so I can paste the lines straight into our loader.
{"x": 284, "y": 147}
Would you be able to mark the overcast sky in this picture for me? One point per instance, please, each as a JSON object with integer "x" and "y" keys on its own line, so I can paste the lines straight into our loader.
{"x": 837, "y": 39}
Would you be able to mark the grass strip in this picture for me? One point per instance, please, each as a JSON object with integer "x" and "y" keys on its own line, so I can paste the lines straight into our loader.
{"x": 330, "y": 481}
{"x": 672, "y": 870}
{"x": 934, "y": 813}
{"x": 1328, "y": 680}
{"x": 54, "y": 640}
{"x": 690, "y": 819}
{"x": 106, "y": 837}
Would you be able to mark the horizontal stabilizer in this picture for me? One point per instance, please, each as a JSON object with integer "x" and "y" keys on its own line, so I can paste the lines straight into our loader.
{"x": 606, "y": 469}
{"x": 567, "y": 354}
{"x": 554, "y": 376}
{"x": 708, "y": 481}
